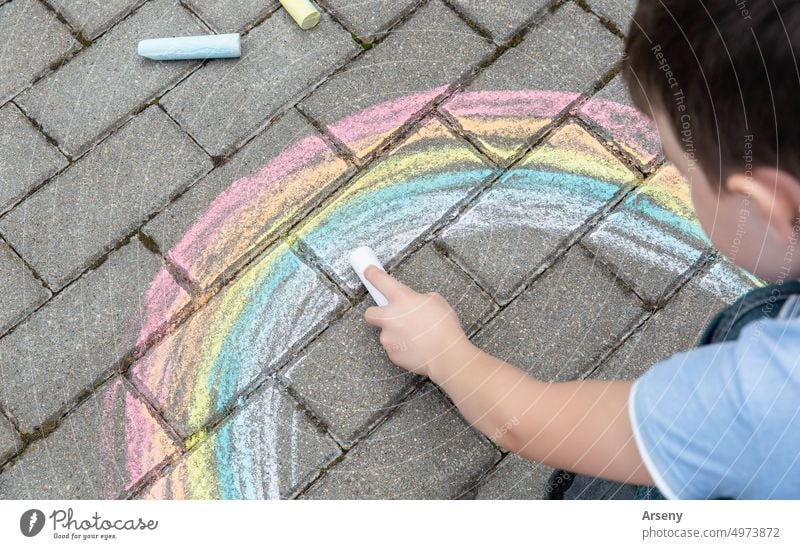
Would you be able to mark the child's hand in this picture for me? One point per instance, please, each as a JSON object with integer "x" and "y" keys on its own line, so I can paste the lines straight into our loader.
{"x": 417, "y": 330}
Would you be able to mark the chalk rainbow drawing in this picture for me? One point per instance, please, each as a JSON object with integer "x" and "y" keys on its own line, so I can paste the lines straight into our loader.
{"x": 198, "y": 372}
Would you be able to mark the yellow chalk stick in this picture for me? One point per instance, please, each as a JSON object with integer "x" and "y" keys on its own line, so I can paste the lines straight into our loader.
{"x": 303, "y": 12}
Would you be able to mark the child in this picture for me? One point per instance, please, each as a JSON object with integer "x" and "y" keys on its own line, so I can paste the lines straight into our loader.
{"x": 721, "y": 84}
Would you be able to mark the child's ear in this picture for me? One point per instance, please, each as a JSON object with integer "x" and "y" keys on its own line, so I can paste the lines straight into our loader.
{"x": 775, "y": 194}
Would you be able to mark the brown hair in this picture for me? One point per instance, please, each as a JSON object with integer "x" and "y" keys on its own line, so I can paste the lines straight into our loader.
{"x": 726, "y": 75}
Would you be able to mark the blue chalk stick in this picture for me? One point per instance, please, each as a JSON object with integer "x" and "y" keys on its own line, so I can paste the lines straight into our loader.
{"x": 191, "y": 47}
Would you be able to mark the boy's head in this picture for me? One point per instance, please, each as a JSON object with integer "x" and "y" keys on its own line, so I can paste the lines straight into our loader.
{"x": 721, "y": 80}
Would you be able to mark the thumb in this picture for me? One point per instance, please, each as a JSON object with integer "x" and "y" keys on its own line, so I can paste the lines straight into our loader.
{"x": 386, "y": 284}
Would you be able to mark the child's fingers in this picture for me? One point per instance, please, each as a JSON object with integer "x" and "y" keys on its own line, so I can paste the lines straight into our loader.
{"x": 386, "y": 284}
{"x": 375, "y": 316}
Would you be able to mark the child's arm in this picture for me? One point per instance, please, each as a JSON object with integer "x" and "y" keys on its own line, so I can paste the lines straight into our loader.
{"x": 581, "y": 426}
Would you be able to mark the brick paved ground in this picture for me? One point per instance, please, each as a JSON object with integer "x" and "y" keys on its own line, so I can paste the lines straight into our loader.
{"x": 177, "y": 318}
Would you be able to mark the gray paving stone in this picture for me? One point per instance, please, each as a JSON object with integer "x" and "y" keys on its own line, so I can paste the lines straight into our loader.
{"x": 653, "y": 237}
{"x": 92, "y": 454}
{"x": 534, "y": 210}
{"x": 85, "y": 211}
{"x": 246, "y": 331}
{"x": 612, "y": 115}
{"x": 424, "y": 451}
{"x": 728, "y": 281}
{"x": 273, "y": 176}
{"x": 506, "y": 106}
{"x": 93, "y": 93}
{"x": 619, "y": 12}
{"x": 33, "y": 40}
{"x": 393, "y": 81}
{"x": 28, "y": 159}
{"x": 564, "y": 322}
{"x": 428, "y": 271}
{"x": 673, "y": 329}
{"x": 22, "y": 293}
{"x": 345, "y": 378}
{"x": 268, "y": 450}
{"x": 387, "y": 198}
{"x": 515, "y": 478}
{"x": 10, "y": 442}
{"x": 226, "y": 102}
{"x": 60, "y": 350}
{"x": 92, "y": 17}
{"x": 368, "y": 18}
{"x": 231, "y": 16}
{"x": 504, "y": 17}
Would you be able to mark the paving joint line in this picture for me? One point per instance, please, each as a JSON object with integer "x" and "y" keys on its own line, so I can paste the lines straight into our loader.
{"x": 208, "y": 430}
{"x": 486, "y": 475}
{"x": 338, "y": 146}
{"x": 197, "y": 16}
{"x": 54, "y": 421}
{"x": 49, "y": 138}
{"x": 432, "y": 107}
{"x": 270, "y": 121}
{"x": 92, "y": 264}
{"x": 30, "y": 268}
{"x": 186, "y": 132}
{"x": 415, "y": 389}
{"x": 55, "y": 65}
{"x": 383, "y": 31}
{"x": 567, "y": 244}
{"x": 692, "y": 273}
{"x": 606, "y": 22}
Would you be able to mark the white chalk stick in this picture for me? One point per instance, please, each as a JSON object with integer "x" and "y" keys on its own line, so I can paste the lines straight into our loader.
{"x": 361, "y": 258}
{"x": 303, "y": 12}
{"x": 206, "y": 46}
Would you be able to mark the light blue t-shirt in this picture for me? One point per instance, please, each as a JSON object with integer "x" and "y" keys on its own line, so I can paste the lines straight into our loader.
{"x": 723, "y": 420}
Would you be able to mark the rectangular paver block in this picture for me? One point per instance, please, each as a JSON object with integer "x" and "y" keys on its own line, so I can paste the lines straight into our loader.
{"x": 511, "y": 101}
{"x": 99, "y": 451}
{"x": 673, "y": 329}
{"x": 33, "y": 39}
{"x": 232, "y": 212}
{"x": 618, "y": 12}
{"x": 93, "y": 17}
{"x": 268, "y": 450}
{"x": 424, "y": 451}
{"x": 226, "y": 16}
{"x": 245, "y": 331}
{"x": 10, "y": 442}
{"x": 564, "y": 322}
{"x": 612, "y": 115}
{"x": 515, "y": 478}
{"x": 368, "y": 18}
{"x": 227, "y": 101}
{"x": 653, "y": 237}
{"x": 69, "y": 343}
{"x": 728, "y": 281}
{"x": 90, "y": 207}
{"x": 395, "y": 202}
{"x": 502, "y": 18}
{"x": 535, "y": 209}
{"x": 344, "y": 376}
{"x": 428, "y": 271}
{"x": 93, "y": 93}
{"x": 28, "y": 159}
{"x": 677, "y": 326}
{"x": 375, "y": 95}
{"x": 22, "y": 293}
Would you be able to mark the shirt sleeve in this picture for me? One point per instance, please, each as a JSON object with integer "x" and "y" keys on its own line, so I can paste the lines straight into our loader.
{"x": 702, "y": 419}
